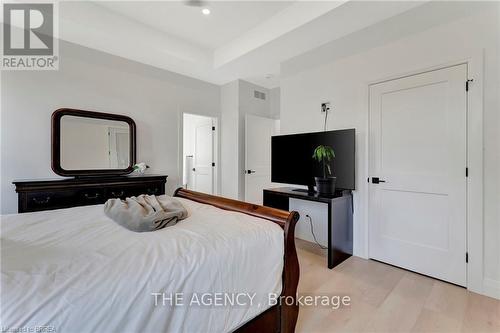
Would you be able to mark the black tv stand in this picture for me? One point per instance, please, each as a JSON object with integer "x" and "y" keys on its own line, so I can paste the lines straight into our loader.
{"x": 338, "y": 192}
{"x": 339, "y": 217}
{"x": 304, "y": 190}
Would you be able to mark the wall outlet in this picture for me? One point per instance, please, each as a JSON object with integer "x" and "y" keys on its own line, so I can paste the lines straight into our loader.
{"x": 325, "y": 107}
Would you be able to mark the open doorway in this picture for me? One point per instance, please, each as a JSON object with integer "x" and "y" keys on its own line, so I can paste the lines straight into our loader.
{"x": 199, "y": 153}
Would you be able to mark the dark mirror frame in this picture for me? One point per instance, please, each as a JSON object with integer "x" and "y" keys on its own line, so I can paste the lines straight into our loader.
{"x": 56, "y": 143}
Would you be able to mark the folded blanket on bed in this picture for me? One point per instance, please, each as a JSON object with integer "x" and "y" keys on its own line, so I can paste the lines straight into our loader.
{"x": 145, "y": 212}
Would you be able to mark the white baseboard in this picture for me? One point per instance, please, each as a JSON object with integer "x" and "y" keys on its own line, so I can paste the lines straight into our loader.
{"x": 491, "y": 288}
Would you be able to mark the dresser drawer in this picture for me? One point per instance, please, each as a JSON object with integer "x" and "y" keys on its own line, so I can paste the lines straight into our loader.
{"x": 64, "y": 193}
{"x": 92, "y": 196}
{"x": 153, "y": 189}
{"x": 149, "y": 189}
{"x": 118, "y": 192}
{"x": 36, "y": 201}
{"x": 123, "y": 192}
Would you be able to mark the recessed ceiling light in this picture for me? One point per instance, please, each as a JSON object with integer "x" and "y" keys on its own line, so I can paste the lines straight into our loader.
{"x": 205, "y": 11}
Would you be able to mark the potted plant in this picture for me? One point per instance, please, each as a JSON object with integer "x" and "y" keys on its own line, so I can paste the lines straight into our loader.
{"x": 326, "y": 184}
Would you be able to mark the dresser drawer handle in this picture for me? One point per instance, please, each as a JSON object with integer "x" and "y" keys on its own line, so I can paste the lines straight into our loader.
{"x": 41, "y": 201}
{"x": 117, "y": 194}
{"x": 87, "y": 196}
{"x": 152, "y": 191}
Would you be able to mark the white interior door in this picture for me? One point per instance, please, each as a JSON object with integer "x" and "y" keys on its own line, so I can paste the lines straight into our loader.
{"x": 258, "y": 132}
{"x": 119, "y": 147}
{"x": 203, "y": 174}
{"x": 418, "y": 147}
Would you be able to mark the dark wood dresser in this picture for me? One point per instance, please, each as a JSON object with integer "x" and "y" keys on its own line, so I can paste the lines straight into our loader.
{"x": 46, "y": 194}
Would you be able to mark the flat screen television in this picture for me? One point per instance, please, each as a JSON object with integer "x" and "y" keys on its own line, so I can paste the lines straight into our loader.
{"x": 292, "y": 162}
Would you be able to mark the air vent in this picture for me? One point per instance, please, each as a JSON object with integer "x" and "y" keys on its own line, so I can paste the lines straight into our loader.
{"x": 259, "y": 94}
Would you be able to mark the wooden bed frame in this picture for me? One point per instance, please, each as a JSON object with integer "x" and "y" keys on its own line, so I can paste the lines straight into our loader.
{"x": 281, "y": 317}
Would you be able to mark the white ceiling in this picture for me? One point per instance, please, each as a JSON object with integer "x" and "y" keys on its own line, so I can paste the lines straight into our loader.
{"x": 239, "y": 40}
{"x": 227, "y": 20}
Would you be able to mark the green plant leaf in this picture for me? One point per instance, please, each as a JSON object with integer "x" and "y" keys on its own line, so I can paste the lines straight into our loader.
{"x": 323, "y": 153}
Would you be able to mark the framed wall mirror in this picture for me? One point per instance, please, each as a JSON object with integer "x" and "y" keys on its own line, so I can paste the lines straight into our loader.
{"x": 87, "y": 143}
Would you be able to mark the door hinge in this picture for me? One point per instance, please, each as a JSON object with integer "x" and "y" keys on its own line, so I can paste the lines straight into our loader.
{"x": 466, "y": 172}
{"x": 213, "y": 128}
{"x": 213, "y": 164}
{"x": 466, "y": 257}
{"x": 467, "y": 84}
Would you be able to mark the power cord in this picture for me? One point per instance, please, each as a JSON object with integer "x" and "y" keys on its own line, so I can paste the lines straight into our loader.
{"x": 326, "y": 118}
{"x": 314, "y": 236}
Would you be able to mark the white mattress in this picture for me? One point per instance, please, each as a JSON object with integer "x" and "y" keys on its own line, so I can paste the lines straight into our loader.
{"x": 75, "y": 270}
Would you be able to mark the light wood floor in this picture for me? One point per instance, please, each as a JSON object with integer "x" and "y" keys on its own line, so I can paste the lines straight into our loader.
{"x": 388, "y": 299}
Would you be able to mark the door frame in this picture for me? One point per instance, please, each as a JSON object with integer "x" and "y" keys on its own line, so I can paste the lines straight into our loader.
{"x": 215, "y": 147}
{"x": 474, "y": 154}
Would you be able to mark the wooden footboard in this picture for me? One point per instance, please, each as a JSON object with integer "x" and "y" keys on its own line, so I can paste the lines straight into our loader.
{"x": 279, "y": 318}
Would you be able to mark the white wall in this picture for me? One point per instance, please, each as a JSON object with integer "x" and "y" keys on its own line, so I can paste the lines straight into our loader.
{"x": 274, "y": 96}
{"x": 341, "y": 75}
{"x": 92, "y": 80}
{"x": 229, "y": 140}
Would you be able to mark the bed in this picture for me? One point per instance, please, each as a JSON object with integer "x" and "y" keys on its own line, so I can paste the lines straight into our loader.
{"x": 76, "y": 270}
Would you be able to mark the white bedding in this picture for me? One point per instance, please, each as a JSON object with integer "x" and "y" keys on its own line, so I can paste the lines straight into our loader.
{"x": 75, "y": 270}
